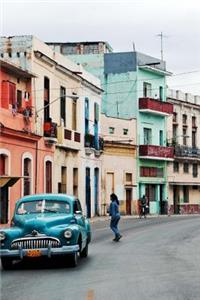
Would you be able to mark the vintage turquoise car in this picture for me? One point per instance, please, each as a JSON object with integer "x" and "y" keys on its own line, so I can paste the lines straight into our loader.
{"x": 45, "y": 225}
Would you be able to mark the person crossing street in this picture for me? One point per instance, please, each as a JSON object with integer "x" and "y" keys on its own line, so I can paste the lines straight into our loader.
{"x": 115, "y": 216}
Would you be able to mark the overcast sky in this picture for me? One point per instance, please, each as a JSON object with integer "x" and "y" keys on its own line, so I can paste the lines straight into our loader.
{"x": 120, "y": 22}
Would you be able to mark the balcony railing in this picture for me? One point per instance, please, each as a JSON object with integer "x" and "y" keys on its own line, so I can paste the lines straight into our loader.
{"x": 50, "y": 129}
{"x": 92, "y": 142}
{"x": 184, "y": 151}
{"x": 156, "y": 106}
{"x": 156, "y": 151}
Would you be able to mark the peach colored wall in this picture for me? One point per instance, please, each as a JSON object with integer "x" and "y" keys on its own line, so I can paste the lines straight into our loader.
{"x": 17, "y": 148}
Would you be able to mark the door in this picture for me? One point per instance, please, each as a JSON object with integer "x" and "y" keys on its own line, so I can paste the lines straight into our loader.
{"x": 96, "y": 191}
{"x": 176, "y": 199}
{"x": 162, "y": 203}
{"x": 4, "y": 205}
{"x": 88, "y": 192}
{"x": 128, "y": 201}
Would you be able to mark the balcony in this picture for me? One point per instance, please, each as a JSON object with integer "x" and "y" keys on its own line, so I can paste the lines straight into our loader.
{"x": 156, "y": 152}
{"x": 50, "y": 132}
{"x": 184, "y": 151}
{"x": 153, "y": 106}
{"x": 92, "y": 143}
{"x": 69, "y": 139}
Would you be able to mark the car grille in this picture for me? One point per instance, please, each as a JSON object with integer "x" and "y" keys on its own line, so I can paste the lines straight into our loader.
{"x": 35, "y": 243}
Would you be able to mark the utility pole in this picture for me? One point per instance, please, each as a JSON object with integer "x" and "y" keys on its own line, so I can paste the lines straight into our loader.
{"x": 161, "y": 35}
{"x": 117, "y": 103}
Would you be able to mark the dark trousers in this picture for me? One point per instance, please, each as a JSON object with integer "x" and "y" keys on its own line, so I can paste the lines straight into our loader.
{"x": 113, "y": 225}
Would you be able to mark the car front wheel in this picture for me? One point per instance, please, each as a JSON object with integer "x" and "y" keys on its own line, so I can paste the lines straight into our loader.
{"x": 74, "y": 259}
{"x": 84, "y": 253}
{"x": 6, "y": 263}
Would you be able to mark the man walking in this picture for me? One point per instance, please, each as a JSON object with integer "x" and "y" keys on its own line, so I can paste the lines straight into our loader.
{"x": 115, "y": 216}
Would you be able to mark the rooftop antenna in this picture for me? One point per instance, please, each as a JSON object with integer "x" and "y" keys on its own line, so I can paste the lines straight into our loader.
{"x": 134, "y": 47}
{"x": 161, "y": 35}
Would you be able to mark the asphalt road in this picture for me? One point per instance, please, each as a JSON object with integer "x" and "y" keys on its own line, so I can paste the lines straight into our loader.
{"x": 157, "y": 258}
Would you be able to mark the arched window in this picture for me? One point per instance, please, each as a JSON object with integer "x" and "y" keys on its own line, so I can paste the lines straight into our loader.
{"x": 48, "y": 168}
{"x": 2, "y": 164}
{"x": 27, "y": 176}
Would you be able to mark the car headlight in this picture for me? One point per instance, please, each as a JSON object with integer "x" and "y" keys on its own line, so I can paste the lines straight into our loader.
{"x": 67, "y": 234}
{"x": 2, "y": 235}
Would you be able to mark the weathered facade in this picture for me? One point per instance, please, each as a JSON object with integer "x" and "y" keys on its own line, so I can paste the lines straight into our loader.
{"x": 67, "y": 104}
{"x": 23, "y": 153}
{"x": 183, "y": 134}
{"x": 135, "y": 87}
{"x": 119, "y": 163}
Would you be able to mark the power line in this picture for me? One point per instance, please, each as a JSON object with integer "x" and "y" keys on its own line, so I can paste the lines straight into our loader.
{"x": 120, "y": 81}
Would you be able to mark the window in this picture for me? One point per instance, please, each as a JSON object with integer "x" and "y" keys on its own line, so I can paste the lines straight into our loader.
{"x": 161, "y": 137}
{"x": 186, "y": 168}
{"x": 185, "y": 194}
{"x": 77, "y": 206}
{"x": 147, "y": 136}
{"x": 193, "y": 121}
{"x": 111, "y": 130}
{"x": 174, "y": 117}
{"x": 161, "y": 93}
{"x": 74, "y": 116}
{"x": 19, "y": 99}
{"x": 184, "y": 136}
{"x": 129, "y": 177}
{"x": 146, "y": 89}
{"x": 46, "y": 99}
{"x": 27, "y": 175}
{"x": 125, "y": 131}
{"x": 194, "y": 139}
{"x": 151, "y": 172}
{"x": 2, "y": 164}
{"x": 62, "y": 186}
{"x": 48, "y": 176}
{"x": 63, "y": 105}
{"x": 75, "y": 181}
{"x": 176, "y": 166}
{"x": 195, "y": 170}
{"x": 86, "y": 115}
{"x": 184, "y": 119}
{"x": 174, "y": 132}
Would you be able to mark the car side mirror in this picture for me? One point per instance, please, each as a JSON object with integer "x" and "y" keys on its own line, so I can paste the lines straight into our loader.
{"x": 78, "y": 212}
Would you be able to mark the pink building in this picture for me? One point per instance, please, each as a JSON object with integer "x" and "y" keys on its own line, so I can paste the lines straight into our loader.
{"x": 25, "y": 157}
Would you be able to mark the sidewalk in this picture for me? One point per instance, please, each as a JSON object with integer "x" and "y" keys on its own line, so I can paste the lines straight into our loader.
{"x": 107, "y": 218}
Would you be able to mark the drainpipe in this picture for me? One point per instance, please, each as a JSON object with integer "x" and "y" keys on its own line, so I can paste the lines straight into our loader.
{"x": 36, "y": 166}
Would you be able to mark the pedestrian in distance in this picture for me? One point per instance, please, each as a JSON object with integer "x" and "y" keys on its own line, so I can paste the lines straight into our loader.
{"x": 115, "y": 216}
{"x": 143, "y": 206}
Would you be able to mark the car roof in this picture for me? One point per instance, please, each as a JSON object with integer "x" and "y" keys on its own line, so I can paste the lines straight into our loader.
{"x": 60, "y": 197}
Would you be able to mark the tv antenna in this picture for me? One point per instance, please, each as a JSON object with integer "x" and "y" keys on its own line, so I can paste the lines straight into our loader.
{"x": 133, "y": 46}
{"x": 161, "y": 35}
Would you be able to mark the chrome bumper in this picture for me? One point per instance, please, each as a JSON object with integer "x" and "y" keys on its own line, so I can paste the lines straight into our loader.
{"x": 20, "y": 253}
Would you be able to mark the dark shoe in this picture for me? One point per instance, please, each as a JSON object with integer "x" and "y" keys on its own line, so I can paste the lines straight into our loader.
{"x": 118, "y": 238}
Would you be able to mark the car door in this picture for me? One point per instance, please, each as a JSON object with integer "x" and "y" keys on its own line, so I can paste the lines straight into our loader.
{"x": 80, "y": 219}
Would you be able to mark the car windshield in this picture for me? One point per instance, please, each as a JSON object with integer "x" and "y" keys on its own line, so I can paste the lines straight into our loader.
{"x": 43, "y": 206}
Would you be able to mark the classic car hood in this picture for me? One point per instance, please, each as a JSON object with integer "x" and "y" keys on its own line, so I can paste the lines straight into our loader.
{"x": 42, "y": 222}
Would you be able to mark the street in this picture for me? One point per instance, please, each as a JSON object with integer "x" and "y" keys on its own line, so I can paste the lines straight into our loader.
{"x": 157, "y": 258}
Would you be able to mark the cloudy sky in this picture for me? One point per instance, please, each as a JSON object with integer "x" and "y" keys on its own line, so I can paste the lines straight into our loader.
{"x": 120, "y": 22}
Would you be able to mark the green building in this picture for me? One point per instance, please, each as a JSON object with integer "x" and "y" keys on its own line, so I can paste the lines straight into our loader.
{"x": 134, "y": 86}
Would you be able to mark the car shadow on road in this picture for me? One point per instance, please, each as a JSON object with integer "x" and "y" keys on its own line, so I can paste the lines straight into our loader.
{"x": 49, "y": 263}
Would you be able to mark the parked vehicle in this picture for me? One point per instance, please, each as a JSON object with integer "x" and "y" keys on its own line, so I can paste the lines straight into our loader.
{"x": 45, "y": 225}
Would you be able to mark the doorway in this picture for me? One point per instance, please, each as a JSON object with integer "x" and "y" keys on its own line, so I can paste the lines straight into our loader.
{"x": 96, "y": 192}
{"x": 88, "y": 192}
{"x": 176, "y": 199}
{"x": 128, "y": 201}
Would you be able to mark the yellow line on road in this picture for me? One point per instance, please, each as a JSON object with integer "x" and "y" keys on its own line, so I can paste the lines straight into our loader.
{"x": 90, "y": 295}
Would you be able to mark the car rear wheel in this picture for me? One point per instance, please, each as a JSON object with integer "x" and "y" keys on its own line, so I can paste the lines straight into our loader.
{"x": 73, "y": 259}
{"x": 84, "y": 253}
{"x": 6, "y": 263}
